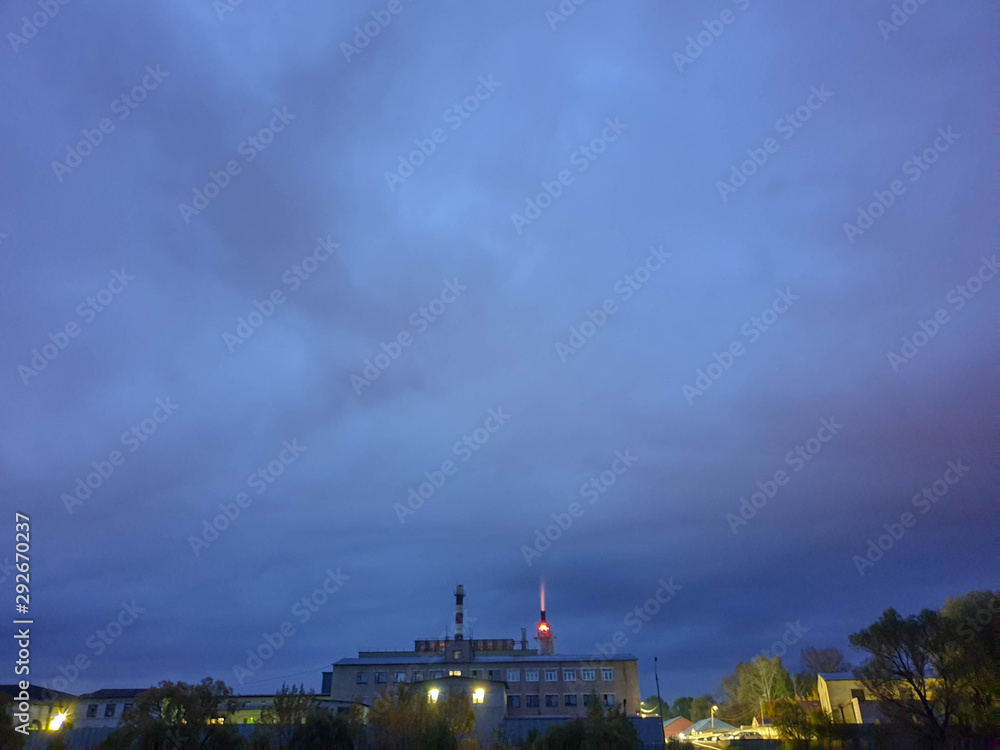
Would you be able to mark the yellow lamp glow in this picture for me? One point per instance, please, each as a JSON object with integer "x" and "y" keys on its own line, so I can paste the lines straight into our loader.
{"x": 57, "y": 721}
{"x": 478, "y": 695}
{"x": 432, "y": 694}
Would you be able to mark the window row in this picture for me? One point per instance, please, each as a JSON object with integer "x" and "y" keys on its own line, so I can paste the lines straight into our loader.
{"x": 552, "y": 700}
{"x": 568, "y": 675}
{"x": 513, "y": 675}
{"x": 109, "y": 710}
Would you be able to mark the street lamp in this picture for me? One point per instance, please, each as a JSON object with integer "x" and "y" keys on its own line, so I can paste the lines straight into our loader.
{"x": 714, "y": 709}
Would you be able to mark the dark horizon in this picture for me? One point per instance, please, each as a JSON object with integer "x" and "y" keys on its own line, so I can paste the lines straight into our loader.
{"x": 390, "y": 310}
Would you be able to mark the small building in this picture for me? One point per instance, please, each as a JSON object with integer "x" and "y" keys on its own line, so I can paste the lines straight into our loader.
{"x": 675, "y": 726}
{"x": 705, "y": 728}
{"x": 845, "y": 699}
{"x": 47, "y": 708}
{"x": 104, "y": 708}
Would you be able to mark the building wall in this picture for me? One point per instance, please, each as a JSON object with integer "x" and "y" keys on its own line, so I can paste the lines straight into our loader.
{"x": 837, "y": 701}
{"x": 102, "y": 717}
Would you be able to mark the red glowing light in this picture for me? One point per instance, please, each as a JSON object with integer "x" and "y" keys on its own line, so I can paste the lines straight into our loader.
{"x": 543, "y": 627}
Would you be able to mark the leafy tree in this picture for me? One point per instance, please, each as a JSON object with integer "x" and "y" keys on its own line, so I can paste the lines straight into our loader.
{"x": 789, "y": 719}
{"x": 321, "y": 731}
{"x": 682, "y": 707}
{"x": 825, "y": 660}
{"x": 179, "y": 715}
{"x": 805, "y": 685}
{"x": 970, "y": 620}
{"x": 601, "y": 729}
{"x": 405, "y": 718}
{"x": 701, "y": 707}
{"x": 909, "y": 670}
{"x": 653, "y": 706}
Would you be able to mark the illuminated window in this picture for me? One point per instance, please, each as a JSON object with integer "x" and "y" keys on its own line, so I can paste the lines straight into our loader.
{"x": 551, "y": 675}
{"x": 109, "y": 710}
{"x": 531, "y": 701}
{"x": 551, "y": 701}
{"x": 432, "y": 695}
{"x": 250, "y": 720}
{"x": 454, "y": 672}
{"x": 588, "y": 674}
{"x": 92, "y": 711}
{"x": 531, "y": 675}
{"x": 457, "y": 654}
{"x": 478, "y": 694}
{"x": 362, "y": 678}
{"x": 513, "y": 701}
{"x": 569, "y": 699}
{"x": 513, "y": 675}
{"x": 607, "y": 675}
{"x": 569, "y": 675}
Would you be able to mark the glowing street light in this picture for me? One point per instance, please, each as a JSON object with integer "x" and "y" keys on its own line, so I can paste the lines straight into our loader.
{"x": 57, "y": 722}
{"x": 432, "y": 694}
{"x": 714, "y": 709}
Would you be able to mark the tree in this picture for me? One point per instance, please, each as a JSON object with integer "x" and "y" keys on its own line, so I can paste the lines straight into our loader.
{"x": 601, "y": 729}
{"x": 789, "y": 719}
{"x": 653, "y": 706}
{"x": 406, "y": 718}
{"x": 701, "y": 707}
{"x": 322, "y": 730}
{"x": 179, "y": 715}
{"x": 909, "y": 671}
{"x": 766, "y": 680}
{"x": 826, "y": 660}
{"x": 805, "y": 685}
{"x": 970, "y": 620}
{"x": 9, "y": 736}
{"x": 288, "y": 709}
{"x": 682, "y": 707}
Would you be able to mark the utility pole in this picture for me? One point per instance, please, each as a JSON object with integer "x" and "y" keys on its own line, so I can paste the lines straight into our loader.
{"x": 659, "y": 700}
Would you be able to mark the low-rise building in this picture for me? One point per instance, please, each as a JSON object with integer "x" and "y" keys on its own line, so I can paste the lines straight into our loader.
{"x": 104, "y": 708}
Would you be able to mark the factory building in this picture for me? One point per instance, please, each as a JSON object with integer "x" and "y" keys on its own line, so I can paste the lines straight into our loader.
{"x": 497, "y": 672}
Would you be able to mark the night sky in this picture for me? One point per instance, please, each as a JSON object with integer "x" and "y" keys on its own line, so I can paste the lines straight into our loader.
{"x": 282, "y": 208}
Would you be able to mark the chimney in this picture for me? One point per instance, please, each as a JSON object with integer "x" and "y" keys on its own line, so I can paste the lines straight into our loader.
{"x": 459, "y": 613}
{"x": 546, "y": 639}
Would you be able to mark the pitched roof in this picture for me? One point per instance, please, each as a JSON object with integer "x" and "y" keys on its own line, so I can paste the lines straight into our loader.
{"x": 116, "y": 693}
{"x": 707, "y": 725}
{"x": 38, "y": 693}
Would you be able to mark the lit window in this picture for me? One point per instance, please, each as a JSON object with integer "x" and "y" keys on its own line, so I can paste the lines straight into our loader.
{"x": 551, "y": 675}
{"x": 569, "y": 675}
{"x": 588, "y": 674}
{"x": 250, "y": 720}
{"x": 381, "y": 677}
{"x": 432, "y": 695}
{"x": 551, "y": 701}
{"x": 92, "y": 711}
{"x": 607, "y": 675}
{"x": 609, "y": 699}
{"x": 454, "y": 672}
{"x": 513, "y": 675}
{"x": 513, "y": 701}
{"x": 362, "y": 678}
{"x": 457, "y": 654}
{"x": 109, "y": 710}
{"x": 400, "y": 677}
{"x": 531, "y": 701}
{"x": 531, "y": 675}
{"x": 569, "y": 699}
{"x": 478, "y": 694}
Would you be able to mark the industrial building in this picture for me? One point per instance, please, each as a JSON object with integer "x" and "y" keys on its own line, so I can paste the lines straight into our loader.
{"x": 507, "y": 680}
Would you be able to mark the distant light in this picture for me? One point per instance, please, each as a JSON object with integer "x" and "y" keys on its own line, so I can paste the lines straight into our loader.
{"x": 715, "y": 708}
{"x": 57, "y": 721}
{"x": 477, "y": 695}
{"x": 432, "y": 695}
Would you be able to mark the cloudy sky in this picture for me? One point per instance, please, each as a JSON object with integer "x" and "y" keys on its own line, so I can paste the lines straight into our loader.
{"x": 220, "y": 224}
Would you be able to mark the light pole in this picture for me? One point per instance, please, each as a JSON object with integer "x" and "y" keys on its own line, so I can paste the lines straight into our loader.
{"x": 714, "y": 709}
{"x": 659, "y": 700}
